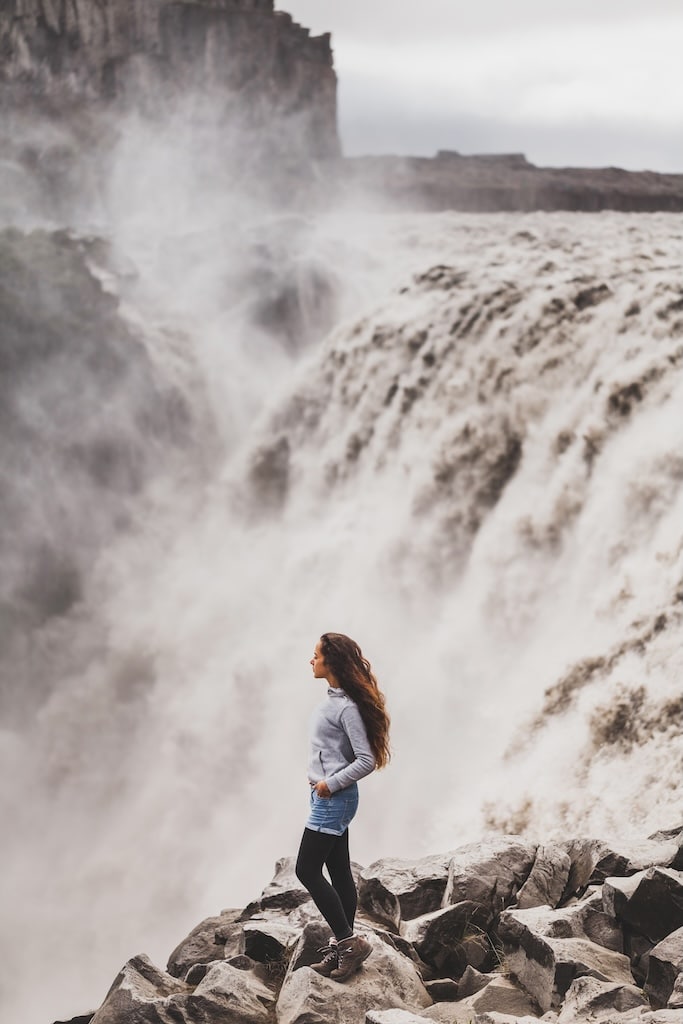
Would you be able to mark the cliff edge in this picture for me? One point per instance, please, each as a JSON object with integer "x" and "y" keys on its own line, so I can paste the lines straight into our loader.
{"x": 58, "y": 54}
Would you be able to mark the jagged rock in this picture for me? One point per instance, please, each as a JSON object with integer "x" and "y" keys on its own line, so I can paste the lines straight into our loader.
{"x": 548, "y": 878}
{"x": 545, "y": 967}
{"x": 594, "y": 860}
{"x": 267, "y": 941}
{"x": 579, "y": 921}
{"x": 502, "y": 996}
{"x": 136, "y": 990}
{"x": 285, "y": 891}
{"x": 443, "y": 990}
{"x": 143, "y": 994}
{"x": 392, "y": 889}
{"x": 445, "y": 937}
{"x": 83, "y": 1018}
{"x": 665, "y": 964}
{"x": 387, "y": 980}
{"x": 489, "y": 873}
{"x": 589, "y": 999}
{"x": 472, "y": 982}
{"x": 212, "y": 939}
{"x": 499, "y": 996}
{"x": 676, "y": 997}
{"x": 650, "y": 902}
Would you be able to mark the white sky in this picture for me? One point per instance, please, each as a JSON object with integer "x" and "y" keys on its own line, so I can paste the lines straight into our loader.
{"x": 568, "y": 82}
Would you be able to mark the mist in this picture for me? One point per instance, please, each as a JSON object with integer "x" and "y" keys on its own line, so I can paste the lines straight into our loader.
{"x": 228, "y": 428}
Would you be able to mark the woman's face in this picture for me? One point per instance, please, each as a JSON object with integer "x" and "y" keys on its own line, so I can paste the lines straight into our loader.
{"x": 318, "y": 664}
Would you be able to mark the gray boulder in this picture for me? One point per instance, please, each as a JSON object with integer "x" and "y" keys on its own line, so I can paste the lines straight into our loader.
{"x": 489, "y": 873}
{"x": 392, "y": 889}
{"x": 451, "y": 938}
{"x": 502, "y": 995}
{"x": 212, "y": 939}
{"x": 472, "y": 982}
{"x": 548, "y": 878}
{"x": 594, "y": 860}
{"x": 443, "y": 990}
{"x": 580, "y": 921}
{"x": 665, "y": 964}
{"x": 267, "y": 940}
{"x": 143, "y": 994}
{"x": 590, "y": 999}
{"x": 387, "y": 980}
{"x": 285, "y": 891}
{"x": 649, "y": 902}
{"x": 676, "y": 997}
{"x": 545, "y": 967}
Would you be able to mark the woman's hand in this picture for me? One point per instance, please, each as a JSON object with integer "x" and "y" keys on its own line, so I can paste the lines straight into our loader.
{"x": 322, "y": 789}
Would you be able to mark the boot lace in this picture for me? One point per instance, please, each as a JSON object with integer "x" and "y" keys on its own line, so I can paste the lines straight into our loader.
{"x": 329, "y": 953}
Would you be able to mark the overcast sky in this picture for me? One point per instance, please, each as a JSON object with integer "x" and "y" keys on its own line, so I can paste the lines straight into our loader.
{"x": 568, "y": 82}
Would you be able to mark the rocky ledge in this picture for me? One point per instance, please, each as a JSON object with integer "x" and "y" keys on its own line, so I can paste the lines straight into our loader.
{"x": 500, "y": 932}
{"x": 505, "y": 182}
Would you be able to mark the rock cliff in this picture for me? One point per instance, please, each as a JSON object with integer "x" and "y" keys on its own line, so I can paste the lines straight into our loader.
{"x": 505, "y": 182}
{"x": 501, "y": 932}
{"x": 60, "y": 53}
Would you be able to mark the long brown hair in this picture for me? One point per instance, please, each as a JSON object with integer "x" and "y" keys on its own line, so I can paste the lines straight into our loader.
{"x": 352, "y": 671}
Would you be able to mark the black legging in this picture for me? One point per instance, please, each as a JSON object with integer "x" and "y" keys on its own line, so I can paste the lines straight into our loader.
{"x": 336, "y": 902}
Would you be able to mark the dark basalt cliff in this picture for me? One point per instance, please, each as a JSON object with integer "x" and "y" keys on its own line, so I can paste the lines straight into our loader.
{"x": 59, "y": 53}
{"x": 506, "y": 182}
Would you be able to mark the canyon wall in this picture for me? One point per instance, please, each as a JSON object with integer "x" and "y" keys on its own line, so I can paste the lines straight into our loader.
{"x": 58, "y": 53}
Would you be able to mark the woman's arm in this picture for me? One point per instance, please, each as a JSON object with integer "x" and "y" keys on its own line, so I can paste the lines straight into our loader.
{"x": 364, "y": 759}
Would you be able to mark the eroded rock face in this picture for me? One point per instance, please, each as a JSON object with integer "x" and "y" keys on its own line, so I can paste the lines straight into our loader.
{"x": 491, "y": 873}
{"x": 127, "y": 49}
{"x": 392, "y": 890}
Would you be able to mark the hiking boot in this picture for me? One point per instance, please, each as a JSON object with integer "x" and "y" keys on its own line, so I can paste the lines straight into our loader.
{"x": 329, "y": 961}
{"x": 351, "y": 953}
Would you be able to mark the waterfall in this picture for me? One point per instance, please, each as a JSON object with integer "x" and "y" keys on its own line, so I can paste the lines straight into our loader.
{"x": 457, "y": 438}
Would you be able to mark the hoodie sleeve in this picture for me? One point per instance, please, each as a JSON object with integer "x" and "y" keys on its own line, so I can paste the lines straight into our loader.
{"x": 364, "y": 762}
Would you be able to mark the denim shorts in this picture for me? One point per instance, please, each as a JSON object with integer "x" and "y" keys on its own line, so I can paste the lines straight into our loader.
{"x": 333, "y": 814}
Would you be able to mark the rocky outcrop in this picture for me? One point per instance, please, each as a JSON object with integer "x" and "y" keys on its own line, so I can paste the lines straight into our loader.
{"x": 506, "y": 182}
{"x": 577, "y": 961}
{"x": 258, "y": 63}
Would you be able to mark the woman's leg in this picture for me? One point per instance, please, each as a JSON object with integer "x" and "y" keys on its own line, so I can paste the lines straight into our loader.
{"x": 338, "y": 864}
{"x": 315, "y": 849}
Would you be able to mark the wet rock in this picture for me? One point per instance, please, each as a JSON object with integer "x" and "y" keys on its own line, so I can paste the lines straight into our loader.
{"x": 387, "y": 980}
{"x": 650, "y": 902}
{"x": 590, "y": 999}
{"x": 392, "y": 890}
{"x": 212, "y": 939}
{"x": 548, "y": 878}
{"x": 449, "y": 939}
{"x": 665, "y": 964}
{"x": 489, "y": 873}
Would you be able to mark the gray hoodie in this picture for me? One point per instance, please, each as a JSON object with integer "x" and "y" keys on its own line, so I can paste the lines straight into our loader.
{"x": 340, "y": 751}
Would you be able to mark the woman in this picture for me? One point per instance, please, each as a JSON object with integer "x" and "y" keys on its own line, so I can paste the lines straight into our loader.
{"x": 349, "y": 739}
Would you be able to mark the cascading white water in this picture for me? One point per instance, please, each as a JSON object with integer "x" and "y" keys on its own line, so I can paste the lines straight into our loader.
{"x": 476, "y": 472}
